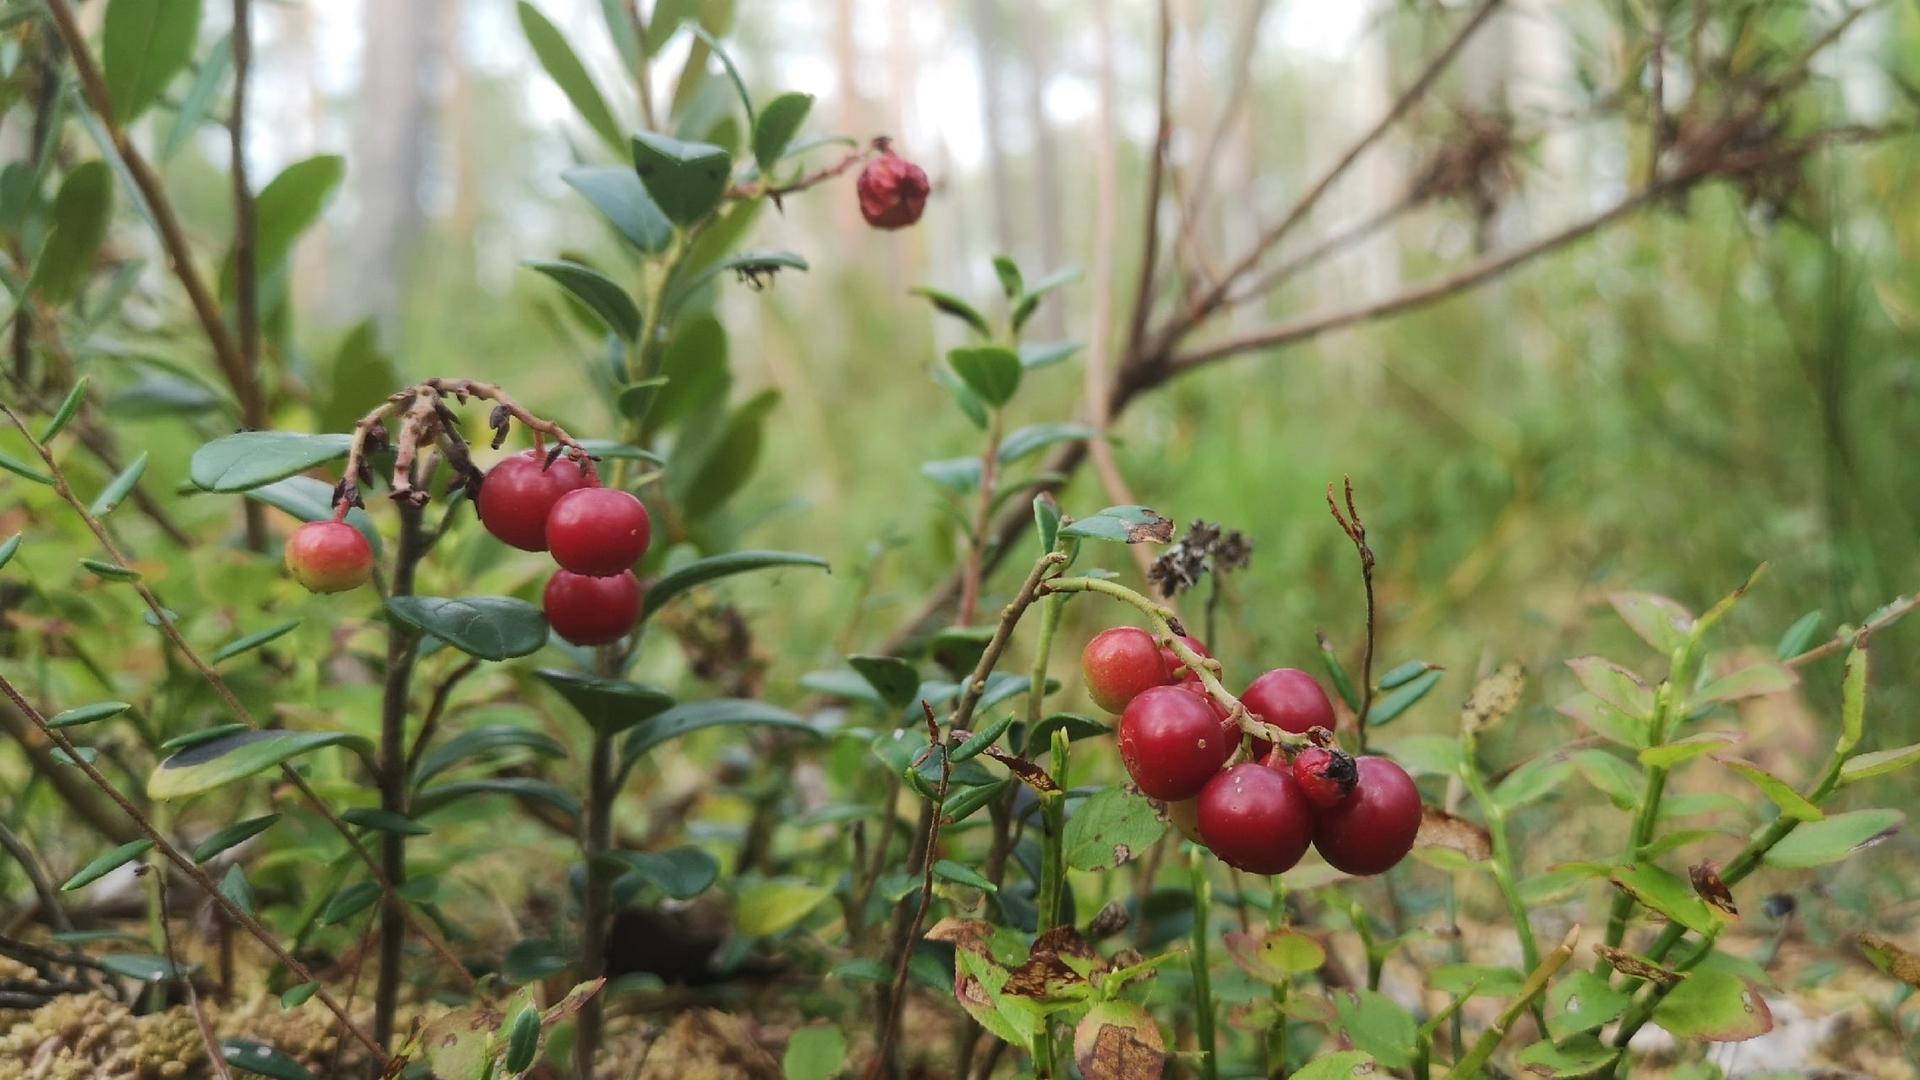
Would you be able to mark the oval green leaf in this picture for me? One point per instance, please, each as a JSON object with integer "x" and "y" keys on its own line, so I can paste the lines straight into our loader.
{"x": 250, "y": 459}
{"x": 609, "y": 706}
{"x": 489, "y": 627}
{"x": 235, "y": 757}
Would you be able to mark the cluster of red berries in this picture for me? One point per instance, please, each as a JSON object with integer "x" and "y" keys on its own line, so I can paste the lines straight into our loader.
{"x": 1262, "y": 814}
{"x": 596, "y": 534}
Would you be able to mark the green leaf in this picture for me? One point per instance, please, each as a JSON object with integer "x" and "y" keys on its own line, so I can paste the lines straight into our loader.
{"x": 349, "y": 902}
{"x": 609, "y": 706}
{"x": 1777, "y": 791}
{"x": 756, "y": 267}
{"x": 564, "y": 68}
{"x": 965, "y": 803}
{"x": 766, "y": 908}
{"x": 1343, "y": 1065}
{"x": 731, "y": 460}
{"x": 815, "y": 1052}
{"x": 1614, "y": 685}
{"x": 686, "y": 179}
{"x": 1388, "y": 707}
{"x": 1402, "y": 674}
{"x": 1659, "y": 621}
{"x": 310, "y": 499}
{"x": 894, "y": 679}
{"x": 145, "y": 44}
{"x": 235, "y": 834}
{"x": 601, "y": 294}
{"x": 682, "y": 873}
{"x": 1880, "y": 763}
{"x": 1023, "y": 441}
{"x": 1818, "y": 843}
{"x": 1046, "y": 354}
{"x": 1580, "y": 1056}
{"x": 88, "y": 714}
{"x": 24, "y": 471}
{"x": 1755, "y": 680}
{"x": 1046, "y": 518}
{"x": 122, "y": 485}
{"x": 79, "y": 218}
{"x": 516, "y": 787}
{"x": 1030, "y": 302}
{"x": 69, "y": 408}
{"x": 143, "y": 967}
{"x": 958, "y": 475}
{"x": 288, "y": 206}
{"x": 523, "y": 1041}
{"x": 8, "y": 549}
{"x": 234, "y": 757}
{"x": 1109, "y": 829}
{"x": 249, "y": 1056}
{"x": 197, "y": 102}
{"x": 1375, "y": 1024}
{"x": 694, "y": 716}
{"x": 1606, "y": 721}
{"x": 1122, "y": 525}
{"x": 1714, "y": 1006}
{"x": 1581, "y": 1002}
{"x": 250, "y": 459}
{"x": 981, "y": 739}
{"x": 485, "y": 744}
{"x": 776, "y": 127}
{"x": 1669, "y": 754}
{"x": 1276, "y": 957}
{"x": 192, "y": 739}
{"x": 948, "y": 304}
{"x": 960, "y": 874}
{"x": 616, "y": 191}
{"x": 1011, "y": 283}
{"x": 299, "y": 995}
{"x": 991, "y": 372}
{"x": 699, "y": 572}
{"x": 254, "y": 640}
{"x": 1657, "y": 890}
{"x": 107, "y": 864}
{"x": 385, "y": 821}
{"x": 1531, "y": 782}
{"x": 489, "y": 627}
{"x": 1853, "y": 699}
{"x": 110, "y": 571}
{"x": 1800, "y": 635}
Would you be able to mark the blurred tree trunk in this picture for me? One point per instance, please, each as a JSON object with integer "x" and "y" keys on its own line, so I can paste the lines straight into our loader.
{"x": 1046, "y": 167}
{"x": 394, "y": 122}
{"x": 993, "y": 107}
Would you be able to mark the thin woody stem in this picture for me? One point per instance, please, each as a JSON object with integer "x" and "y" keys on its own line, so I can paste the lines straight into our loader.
{"x": 1356, "y": 531}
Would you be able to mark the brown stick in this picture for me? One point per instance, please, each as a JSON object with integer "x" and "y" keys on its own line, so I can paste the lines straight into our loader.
{"x": 215, "y": 1058}
{"x": 1156, "y": 175}
{"x": 882, "y": 1057}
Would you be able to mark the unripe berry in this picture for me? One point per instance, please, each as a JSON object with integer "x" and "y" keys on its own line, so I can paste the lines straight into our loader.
{"x": 1255, "y": 819}
{"x": 519, "y": 493}
{"x": 893, "y": 191}
{"x": 1372, "y": 829}
{"x": 1290, "y": 700}
{"x": 1119, "y": 664}
{"x": 599, "y": 532}
{"x": 589, "y": 610}
{"x": 1326, "y": 775}
{"x": 1172, "y": 743}
{"x": 329, "y": 557}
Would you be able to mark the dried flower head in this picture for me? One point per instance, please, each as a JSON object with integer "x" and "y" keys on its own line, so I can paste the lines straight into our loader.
{"x": 1205, "y": 549}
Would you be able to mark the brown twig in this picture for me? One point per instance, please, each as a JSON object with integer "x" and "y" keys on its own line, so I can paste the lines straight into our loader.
{"x": 897, "y": 999}
{"x": 188, "y": 867}
{"x": 975, "y": 569}
{"x": 1356, "y": 531}
{"x": 215, "y": 1058}
{"x": 1893, "y": 613}
{"x": 764, "y": 188}
{"x": 435, "y": 708}
{"x": 1156, "y": 173}
{"x": 42, "y": 888}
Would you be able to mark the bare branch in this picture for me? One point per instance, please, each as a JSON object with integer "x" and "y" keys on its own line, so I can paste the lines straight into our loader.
{"x": 1156, "y": 175}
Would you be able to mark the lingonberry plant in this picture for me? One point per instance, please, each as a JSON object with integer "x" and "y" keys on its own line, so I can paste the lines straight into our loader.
{"x": 921, "y": 859}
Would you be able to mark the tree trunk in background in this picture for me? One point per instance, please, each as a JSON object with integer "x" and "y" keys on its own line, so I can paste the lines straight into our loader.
{"x": 854, "y": 115}
{"x": 987, "y": 46}
{"x": 403, "y": 46}
{"x": 1046, "y": 169}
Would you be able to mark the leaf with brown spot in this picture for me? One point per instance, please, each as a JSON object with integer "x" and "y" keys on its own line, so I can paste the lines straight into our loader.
{"x": 1892, "y": 958}
{"x": 1276, "y": 957}
{"x": 968, "y": 934}
{"x": 1122, "y": 525}
{"x": 1708, "y": 886}
{"x": 1636, "y": 967}
{"x": 1443, "y": 830}
{"x": 1493, "y": 697}
{"x": 1030, "y": 774}
{"x": 1118, "y": 1041}
{"x": 1056, "y": 968}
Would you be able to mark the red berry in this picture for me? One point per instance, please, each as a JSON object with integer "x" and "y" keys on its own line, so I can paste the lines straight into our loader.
{"x": 598, "y": 531}
{"x": 893, "y": 191}
{"x": 1120, "y": 663}
{"x": 1372, "y": 829}
{"x": 1256, "y": 819}
{"x": 1325, "y": 775}
{"x": 1172, "y": 743}
{"x": 589, "y": 610}
{"x": 329, "y": 557}
{"x": 519, "y": 493}
{"x": 1184, "y": 815}
{"x": 1228, "y": 729}
{"x": 1177, "y": 668}
{"x": 1290, "y": 700}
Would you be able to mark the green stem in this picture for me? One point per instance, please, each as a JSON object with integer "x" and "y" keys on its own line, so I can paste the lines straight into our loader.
{"x": 1277, "y": 1034}
{"x": 1649, "y": 813}
{"x": 1202, "y": 889}
{"x": 644, "y": 360}
{"x": 402, "y": 653}
{"x": 1473, "y": 1063}
{"x": 1163, "y": 619}
{"x": 1505, "y": 870}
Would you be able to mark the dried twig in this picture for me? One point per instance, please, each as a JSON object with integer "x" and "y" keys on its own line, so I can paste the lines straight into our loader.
{"x": 897, "y": 999}
{"x": 215, "y": 1058}
{"x": 1356, "y": 531}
